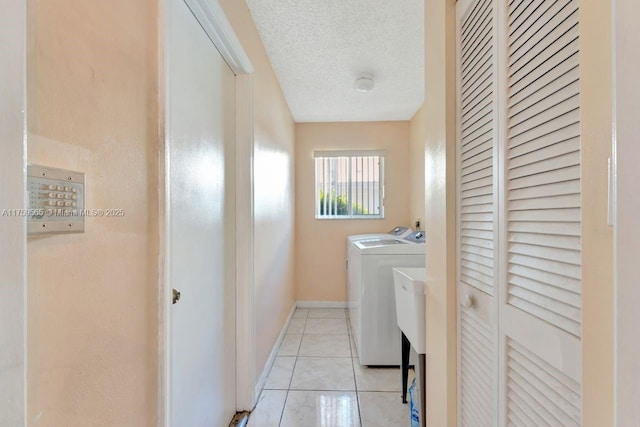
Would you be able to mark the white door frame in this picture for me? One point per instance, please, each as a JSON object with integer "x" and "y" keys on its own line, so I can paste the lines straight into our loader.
{"x": 13, "y": 245}
{"x": 626, "y": 203}
{"x": 214, "y": 22}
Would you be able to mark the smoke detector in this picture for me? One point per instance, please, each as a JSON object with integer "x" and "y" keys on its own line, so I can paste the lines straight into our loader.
{"x": 364, "y": 83}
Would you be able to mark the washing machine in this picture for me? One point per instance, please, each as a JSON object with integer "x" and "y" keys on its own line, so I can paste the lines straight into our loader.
{"x": 396, "y": 232}
{"x": 372, "y": 308}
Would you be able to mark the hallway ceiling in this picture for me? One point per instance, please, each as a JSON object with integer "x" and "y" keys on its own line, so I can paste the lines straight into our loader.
{"x": 319, "y": 47}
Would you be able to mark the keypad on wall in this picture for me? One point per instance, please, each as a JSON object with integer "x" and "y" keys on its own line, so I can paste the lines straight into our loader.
{"x": 56, "y": 200}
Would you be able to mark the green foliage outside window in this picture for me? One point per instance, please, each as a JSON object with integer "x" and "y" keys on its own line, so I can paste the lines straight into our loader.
{"x": 340, "y": 206}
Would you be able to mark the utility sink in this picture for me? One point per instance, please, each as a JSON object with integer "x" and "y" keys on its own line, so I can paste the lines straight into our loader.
{"x": 410, "y": 305}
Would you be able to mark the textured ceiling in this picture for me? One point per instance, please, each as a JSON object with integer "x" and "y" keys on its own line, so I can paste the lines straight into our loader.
{"x": 319, "y": 47}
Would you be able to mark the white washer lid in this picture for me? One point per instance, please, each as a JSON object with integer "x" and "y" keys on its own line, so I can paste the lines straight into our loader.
{"x": 389, "y": 247}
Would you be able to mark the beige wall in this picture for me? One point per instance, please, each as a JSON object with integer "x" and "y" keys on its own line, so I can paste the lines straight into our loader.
{"x": 627, "y": 234}
{"x": 92, "y": 356}
{"x": 418, "y": 130}
{"x": 597, "y": 236}
{"x": 320, "y": 244}
{"x": 13, "y": 244}
{"x": 273, "y": 170}
{"x": 440, "y": 219}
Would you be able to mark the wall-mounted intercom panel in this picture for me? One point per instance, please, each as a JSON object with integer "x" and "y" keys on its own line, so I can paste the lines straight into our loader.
{"x": 56, "y": 201}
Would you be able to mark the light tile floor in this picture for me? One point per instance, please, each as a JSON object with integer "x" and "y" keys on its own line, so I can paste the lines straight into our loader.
{"x": 317, "y": 381}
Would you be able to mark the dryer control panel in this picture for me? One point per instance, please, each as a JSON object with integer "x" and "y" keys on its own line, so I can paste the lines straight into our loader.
{"x": 397, "y": 231}
{"x": 416, "y": 237}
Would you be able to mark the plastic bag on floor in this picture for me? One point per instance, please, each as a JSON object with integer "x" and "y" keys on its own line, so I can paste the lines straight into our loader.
{"x": 413, "y": 405}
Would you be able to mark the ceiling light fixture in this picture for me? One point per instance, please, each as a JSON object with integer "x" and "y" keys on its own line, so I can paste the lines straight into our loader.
{"x": 364, "y": 83}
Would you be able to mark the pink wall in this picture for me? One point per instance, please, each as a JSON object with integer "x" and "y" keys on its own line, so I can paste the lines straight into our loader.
{"x": 92, "y": 297}
{"x": 320, "y": 243}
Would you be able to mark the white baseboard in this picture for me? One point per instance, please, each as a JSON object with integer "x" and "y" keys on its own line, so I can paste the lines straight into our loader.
{"x": 322, "y": 304}
{"x": 274, "y": 352}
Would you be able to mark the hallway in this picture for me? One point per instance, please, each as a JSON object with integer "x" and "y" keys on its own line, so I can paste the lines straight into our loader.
{"x": 506, "y": 131}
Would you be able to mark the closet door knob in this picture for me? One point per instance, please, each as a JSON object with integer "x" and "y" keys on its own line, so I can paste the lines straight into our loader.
{"x": 468, "y": 301}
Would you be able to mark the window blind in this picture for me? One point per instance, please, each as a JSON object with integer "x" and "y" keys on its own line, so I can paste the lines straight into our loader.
{"x": 349, "y": 186}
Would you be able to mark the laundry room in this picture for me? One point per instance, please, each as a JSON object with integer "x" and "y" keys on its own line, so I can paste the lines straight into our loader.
{"x": 354, "y": 223}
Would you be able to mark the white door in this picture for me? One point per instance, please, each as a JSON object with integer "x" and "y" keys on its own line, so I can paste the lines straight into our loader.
{"x": 477, "y": 213}
{"x": 540, "y": 298}
{"x": 201, "y": 134}
{"x": 519, "y": 215}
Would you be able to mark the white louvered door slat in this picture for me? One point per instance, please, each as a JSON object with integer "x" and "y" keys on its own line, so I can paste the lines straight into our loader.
{"x": 477, "y": 225}
{"x": 541, "y": 124}
{"x": 540, "y": 291}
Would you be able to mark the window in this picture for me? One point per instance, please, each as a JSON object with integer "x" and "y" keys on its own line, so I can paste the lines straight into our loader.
{"x": 349, "y": 184}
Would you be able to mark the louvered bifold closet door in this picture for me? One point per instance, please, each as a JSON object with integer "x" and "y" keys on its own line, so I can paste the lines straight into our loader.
{"x": 477, "y": 225}
{"x": 540, "y": 310}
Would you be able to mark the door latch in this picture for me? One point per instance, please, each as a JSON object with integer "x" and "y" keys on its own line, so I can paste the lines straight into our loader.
{"x": 176, "y": 296}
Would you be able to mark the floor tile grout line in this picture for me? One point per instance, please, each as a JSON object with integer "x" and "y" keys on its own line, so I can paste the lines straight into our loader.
{"x": 324, "y": 357}
{"x": 355, "y": 381}
{"x": 334, "y": 335}
{"x": 295, "y": 362}
{"x": 284, "y": 405}
{"x": 322, "y": 390}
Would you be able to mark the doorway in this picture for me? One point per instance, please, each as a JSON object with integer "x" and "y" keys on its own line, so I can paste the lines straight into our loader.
{"x": 208, "y": 304}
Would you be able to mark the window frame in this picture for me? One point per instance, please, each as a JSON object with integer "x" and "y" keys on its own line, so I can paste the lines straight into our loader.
{"x": 350, "y": 154}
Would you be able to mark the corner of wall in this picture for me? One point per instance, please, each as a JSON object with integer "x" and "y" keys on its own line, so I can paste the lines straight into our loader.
{"x": 417, "y": 139}
{"x": 440, "y": 197}
{"x": 13, "y": 289}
